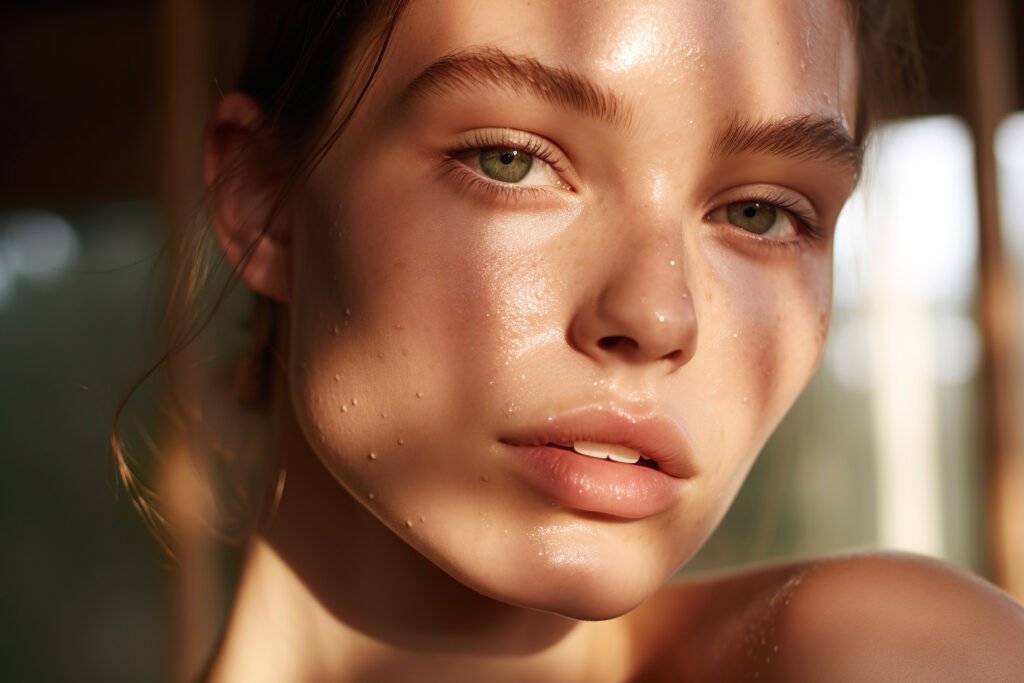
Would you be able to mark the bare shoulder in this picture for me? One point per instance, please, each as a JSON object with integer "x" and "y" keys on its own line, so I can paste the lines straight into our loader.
{"x": 890, "y": 616}
{"x": 880, "y": 616}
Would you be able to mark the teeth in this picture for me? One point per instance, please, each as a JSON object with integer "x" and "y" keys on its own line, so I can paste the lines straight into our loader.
{"x": 606, "y": 451}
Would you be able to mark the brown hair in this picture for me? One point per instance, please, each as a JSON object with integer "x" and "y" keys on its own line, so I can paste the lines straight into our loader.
{"x": 297, "y": 50}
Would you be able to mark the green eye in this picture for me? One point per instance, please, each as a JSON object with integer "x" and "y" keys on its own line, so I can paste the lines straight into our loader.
{"x": 505, "y": 164}
{"x": 755, "y": 217}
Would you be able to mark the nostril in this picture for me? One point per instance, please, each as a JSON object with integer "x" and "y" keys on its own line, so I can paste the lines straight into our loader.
{"x": 617, "y": 343}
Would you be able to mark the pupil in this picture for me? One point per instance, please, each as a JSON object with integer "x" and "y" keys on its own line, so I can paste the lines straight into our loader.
{"x": 508, "y": 157}
{"x": 750, "y": 211}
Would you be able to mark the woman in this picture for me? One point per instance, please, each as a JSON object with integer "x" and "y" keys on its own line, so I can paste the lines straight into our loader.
{"x": 546, "y": 275}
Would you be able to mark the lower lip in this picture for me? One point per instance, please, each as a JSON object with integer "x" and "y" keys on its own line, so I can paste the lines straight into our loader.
{"x": 597, "y": 485}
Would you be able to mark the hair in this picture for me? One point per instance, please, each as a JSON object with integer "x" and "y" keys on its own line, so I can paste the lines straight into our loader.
{"x": 297, "y": 50}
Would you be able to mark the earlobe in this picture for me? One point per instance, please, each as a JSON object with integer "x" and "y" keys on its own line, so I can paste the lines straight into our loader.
{"x": 243, "y": 182}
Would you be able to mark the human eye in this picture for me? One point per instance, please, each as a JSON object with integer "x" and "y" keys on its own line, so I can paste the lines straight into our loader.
{"x": 769, "y": 214}
{"x": 509, "y": 162}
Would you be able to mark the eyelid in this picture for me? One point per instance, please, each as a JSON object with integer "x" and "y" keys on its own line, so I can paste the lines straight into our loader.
{"x": 782, "y": 198}
{"x": 535, "y": 145}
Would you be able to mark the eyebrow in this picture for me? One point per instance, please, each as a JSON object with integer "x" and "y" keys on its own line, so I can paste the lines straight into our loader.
{"x": 492, "y": 67}
{"x": 811, "y": 138}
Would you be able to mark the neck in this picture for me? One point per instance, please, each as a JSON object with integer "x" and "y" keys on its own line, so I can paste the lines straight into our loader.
{"x": 329, "y": 593}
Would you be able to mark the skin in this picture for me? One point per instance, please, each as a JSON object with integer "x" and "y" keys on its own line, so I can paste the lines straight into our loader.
{"x": 428, "y": 318}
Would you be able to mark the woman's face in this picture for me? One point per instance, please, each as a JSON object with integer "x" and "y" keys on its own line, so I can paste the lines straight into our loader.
{"x": 555, "y": 227}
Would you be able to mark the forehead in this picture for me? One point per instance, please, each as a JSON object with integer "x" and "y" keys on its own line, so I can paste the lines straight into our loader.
{"x": 667, "y": 59}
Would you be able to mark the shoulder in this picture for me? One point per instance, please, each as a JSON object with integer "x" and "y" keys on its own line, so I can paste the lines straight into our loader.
{"x": 890, "y": 616}
{"x": 879, "y": 616}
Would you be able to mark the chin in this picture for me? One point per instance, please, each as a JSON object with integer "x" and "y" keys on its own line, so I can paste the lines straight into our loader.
{"x": 584, "y": 586}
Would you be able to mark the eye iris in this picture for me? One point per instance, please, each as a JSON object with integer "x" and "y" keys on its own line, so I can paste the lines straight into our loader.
{"x": 506, "y": 165}
{"x": 754, "y": 217}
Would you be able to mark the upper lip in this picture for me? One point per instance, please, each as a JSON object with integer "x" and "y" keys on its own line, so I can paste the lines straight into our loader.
{"x": 655, "y": 436}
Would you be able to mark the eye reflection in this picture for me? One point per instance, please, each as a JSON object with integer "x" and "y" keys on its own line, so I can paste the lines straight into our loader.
{"x": 505, "y": 164}
{"x": 755, "y": 217}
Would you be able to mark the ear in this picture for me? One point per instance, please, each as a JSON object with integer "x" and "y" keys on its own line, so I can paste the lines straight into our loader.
{"x": 243, "y": 174}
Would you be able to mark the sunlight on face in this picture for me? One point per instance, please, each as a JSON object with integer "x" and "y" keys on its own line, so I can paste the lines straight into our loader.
{"x": 564, "y": 273}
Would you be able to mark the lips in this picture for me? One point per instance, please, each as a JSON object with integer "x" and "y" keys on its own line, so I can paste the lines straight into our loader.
{"x": 605, "y": 461}
{"x": 655, "y": 438}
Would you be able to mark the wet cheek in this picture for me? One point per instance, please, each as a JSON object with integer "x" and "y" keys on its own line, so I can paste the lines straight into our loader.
{"x": 762, "y": 326}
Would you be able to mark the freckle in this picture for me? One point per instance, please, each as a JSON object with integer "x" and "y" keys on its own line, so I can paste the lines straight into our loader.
{"x": 419, "y": 394}
{"x": 355, "y": 402}
{"x": 371, "y": 455}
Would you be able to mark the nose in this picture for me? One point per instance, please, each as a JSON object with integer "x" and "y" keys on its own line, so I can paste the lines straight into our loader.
{"x": 643, "y": 314}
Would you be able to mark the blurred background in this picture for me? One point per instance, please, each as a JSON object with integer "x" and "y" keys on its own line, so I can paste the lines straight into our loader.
{"x": 908, "y": 438}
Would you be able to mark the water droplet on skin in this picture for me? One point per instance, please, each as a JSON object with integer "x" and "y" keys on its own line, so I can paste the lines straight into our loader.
{"x": 371, "y": 455}
{"x": 398, "y": 326}
{"x": 419, "y": 394}
{"x": 422, "y": 519}
{"x": 355, "y": 402}
{"x": 380, "y": 354}
{"x": 348, "y": 312}
{"x": 401, "y": 442}
{"x": 383, "y": 414}
{"x": 334, "y": 330}
{"x": 746, "y": 398}
{"x": 672, "y": 262}
{"x": 337, "y": 378}
{"x": 484, "y": 478}
{"x": 408, "y": 524}
{"x": 775, "y": 648}
{"x": 344, "y": 409}
{"x": 371, "y": 495}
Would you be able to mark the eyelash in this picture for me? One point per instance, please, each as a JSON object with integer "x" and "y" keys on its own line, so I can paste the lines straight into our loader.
{"x": 806, "y": 222}
{"x": 479, "y": 140}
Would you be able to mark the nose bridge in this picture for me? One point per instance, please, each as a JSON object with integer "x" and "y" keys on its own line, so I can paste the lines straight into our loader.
{"x": 643, "y": 311}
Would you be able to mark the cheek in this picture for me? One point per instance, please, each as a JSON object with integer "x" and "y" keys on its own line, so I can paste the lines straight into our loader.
{"x": 762, "y": 328}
